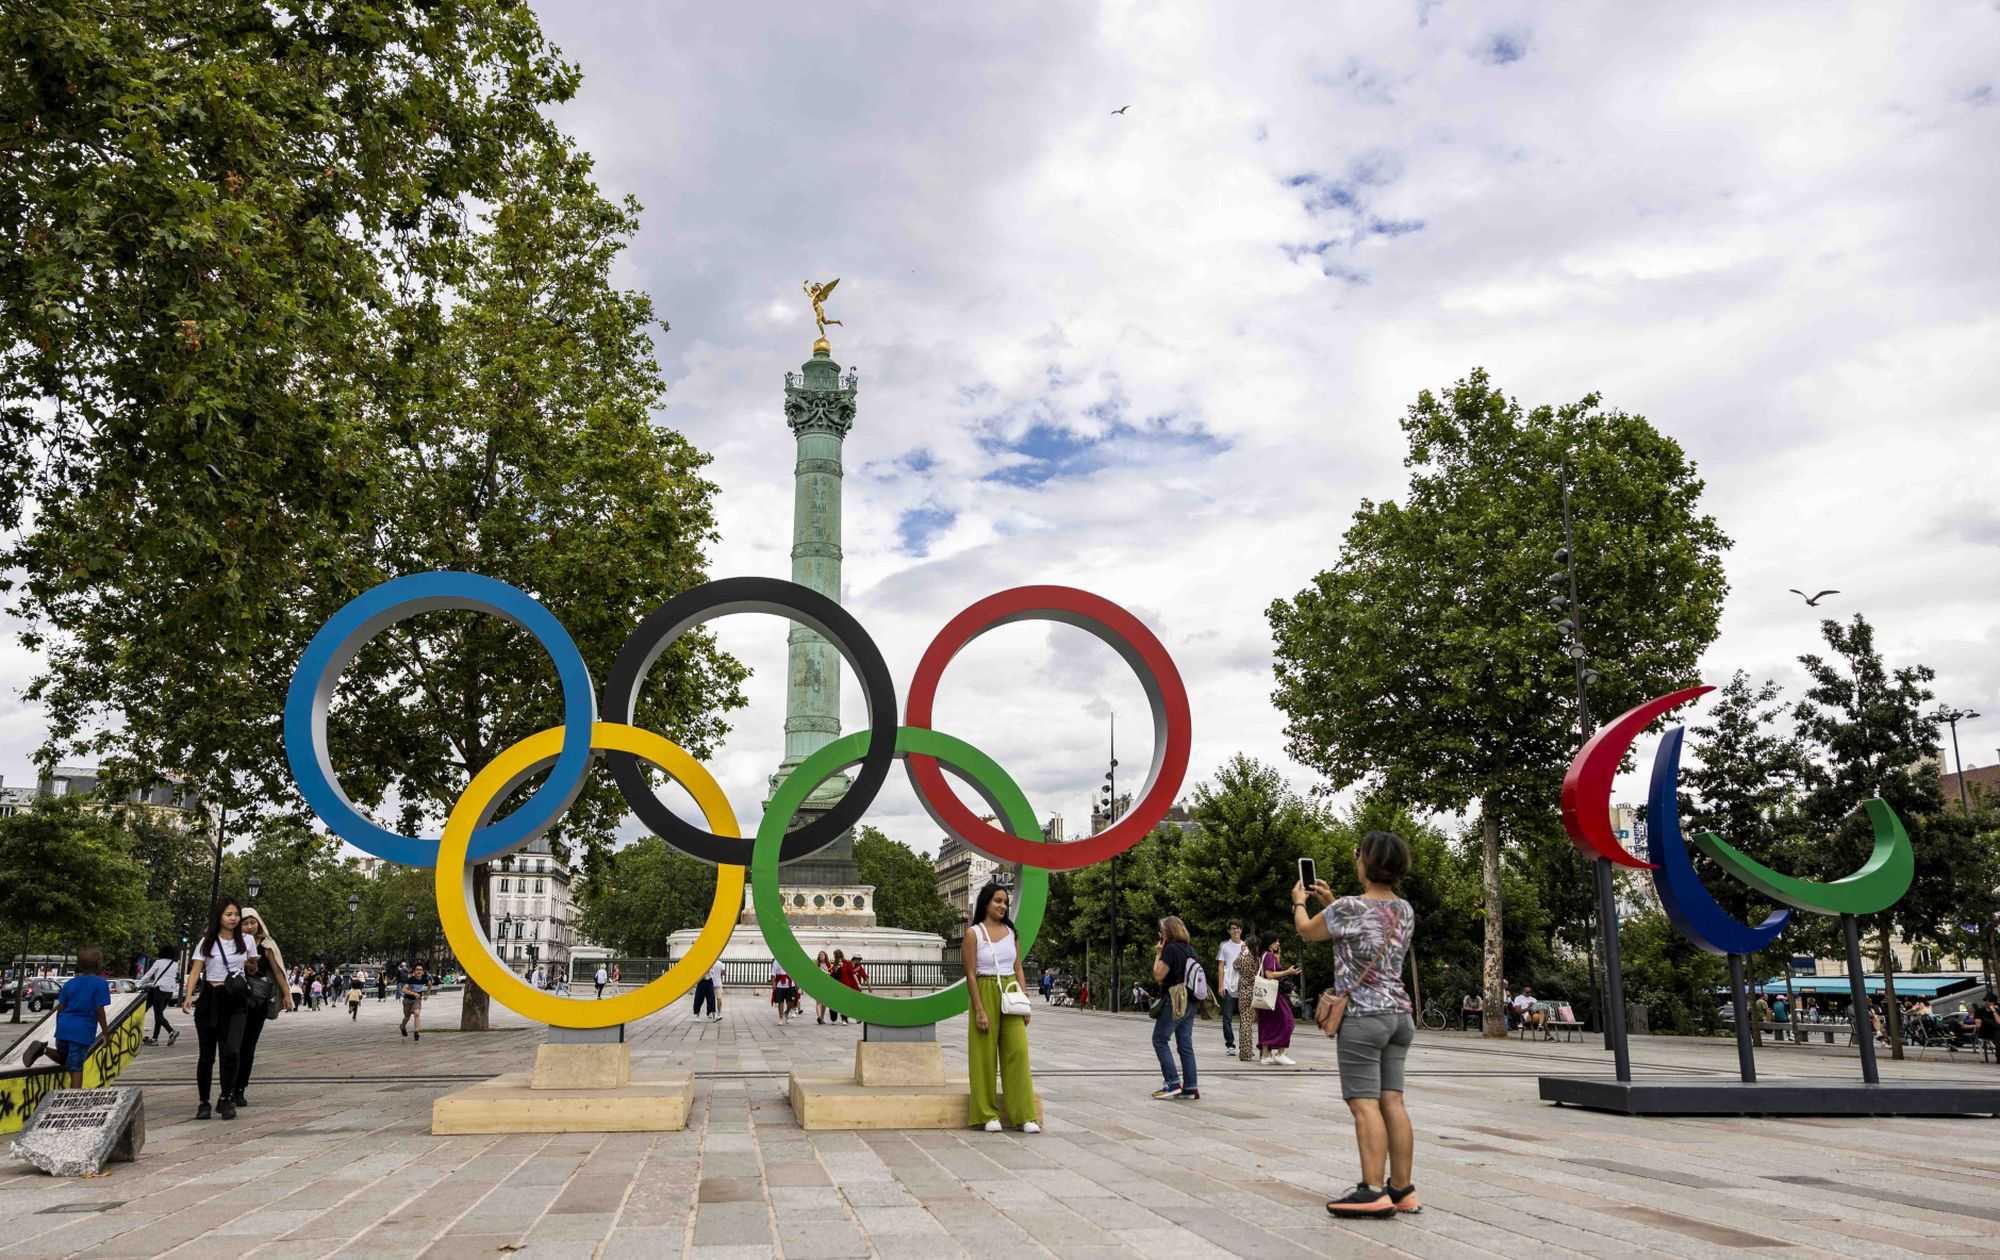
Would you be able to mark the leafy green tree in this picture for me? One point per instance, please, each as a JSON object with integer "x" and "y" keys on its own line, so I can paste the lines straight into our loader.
{"x": 1869, "y": 736}
{"x": 1745, "y": 787}
{"x": 643, "y": 894}
{"x": 1242, "y": 859}
{"x": 303, "y": 888}
{"x": 1427, "y": 661}
{"x": 1143, "y": 899}
{"x": 1676, "y": 981}
{"x": 317, "y": 296}
{"x": 179, "y": 864}
{"x": 906, "y": 894}
{"x": 71, "y": 881}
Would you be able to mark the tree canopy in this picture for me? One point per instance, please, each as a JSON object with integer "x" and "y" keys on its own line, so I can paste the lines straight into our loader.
{"x": 299, "y": 298}
{"x": 906, "y": 894}
{"x": 1428, "y": 661}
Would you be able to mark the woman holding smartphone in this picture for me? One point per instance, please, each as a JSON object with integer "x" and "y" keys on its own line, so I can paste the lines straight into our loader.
{"x": 1371, "y": 935}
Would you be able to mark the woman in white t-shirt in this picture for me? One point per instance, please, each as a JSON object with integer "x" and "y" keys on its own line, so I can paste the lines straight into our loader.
{"x": 218, "y": 1013}
{"x": 995, "y": 1041}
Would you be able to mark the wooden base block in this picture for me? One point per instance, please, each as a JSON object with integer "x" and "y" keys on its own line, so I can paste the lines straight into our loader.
{"x": 837, "y": 1102}
{"x": 570, "y": 1065}
{"x": 510, "y": 1104}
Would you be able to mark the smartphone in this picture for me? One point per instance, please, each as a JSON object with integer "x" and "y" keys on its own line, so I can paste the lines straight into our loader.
{"x": 1307, "y": 875}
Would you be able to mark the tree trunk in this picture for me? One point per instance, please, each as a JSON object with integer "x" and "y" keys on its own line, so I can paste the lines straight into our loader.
{"x": 1986, "y": 953}
{"x": 1892, "y": 1015}
{"x": 474, "y": 1012}
{"x": 1495, "y": 1014}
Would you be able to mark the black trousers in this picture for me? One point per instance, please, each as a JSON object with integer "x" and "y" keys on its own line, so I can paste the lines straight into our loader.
{"x": 704, "y": 995}
{"x": 253, "y": 1028}
{"x": 218, "y": 1022}
{"x": 159, "y": 999}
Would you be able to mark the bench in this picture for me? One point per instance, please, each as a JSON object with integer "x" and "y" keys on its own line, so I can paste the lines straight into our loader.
{"x": 1557, "y": 1017}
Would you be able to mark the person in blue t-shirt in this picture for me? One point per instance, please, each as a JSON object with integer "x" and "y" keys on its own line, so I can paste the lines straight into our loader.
{"x": 414, "y": 987}
{"x": 80, "y": 1015}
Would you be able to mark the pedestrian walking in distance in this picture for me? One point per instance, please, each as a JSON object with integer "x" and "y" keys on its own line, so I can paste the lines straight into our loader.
{"x": 161, "y": 984}
{"x": 1371, "y": 936}
{"x": 996, "y": 1040}
{"x": 1246, "y": 967}
{"x": 415, "y": 986}
{"x": 217, "y": 1004}
{"x": 704, "y": 991}
{"x": 354, "y": 1002}
{"x": 1226, "y": 955}
{"x": 603, "y": 978}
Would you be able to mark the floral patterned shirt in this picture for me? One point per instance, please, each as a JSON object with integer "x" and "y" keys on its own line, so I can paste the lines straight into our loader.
{"x": 1370, "y": 939}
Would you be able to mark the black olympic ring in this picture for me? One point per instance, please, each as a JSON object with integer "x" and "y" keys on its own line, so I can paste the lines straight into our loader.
{"x": 782, "y": 599}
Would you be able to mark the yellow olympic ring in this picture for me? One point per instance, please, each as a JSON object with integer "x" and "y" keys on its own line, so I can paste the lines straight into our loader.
{"x": 454, "y": 879}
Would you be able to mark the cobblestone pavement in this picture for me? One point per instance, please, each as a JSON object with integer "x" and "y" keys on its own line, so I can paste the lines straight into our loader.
{"x": 334, "y": 1157}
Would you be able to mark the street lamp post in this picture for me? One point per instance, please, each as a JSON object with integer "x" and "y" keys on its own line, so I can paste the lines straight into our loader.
{"x": 1111, "y": 816}
{"x": 353, "y": 906}
{"x": 1607, "y": 902}
{"x": 1952, "y": 717}
{"x": 253, "y": 886}
{"x": 410, "y": 919}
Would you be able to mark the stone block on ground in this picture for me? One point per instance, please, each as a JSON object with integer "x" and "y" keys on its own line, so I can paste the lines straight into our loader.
{"x": 75, "y": 1131}
{"x": 572, "y": 1065}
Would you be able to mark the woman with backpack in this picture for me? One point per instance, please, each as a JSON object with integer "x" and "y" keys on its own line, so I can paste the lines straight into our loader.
{"x": 1174, "y": 1010}
{"x": 1371, "y": 935}
{"x": 217, "y": 991}
{"x": 996, "y": 1041}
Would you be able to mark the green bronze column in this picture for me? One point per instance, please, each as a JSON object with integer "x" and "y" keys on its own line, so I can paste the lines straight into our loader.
{"x": 819, "y": 409}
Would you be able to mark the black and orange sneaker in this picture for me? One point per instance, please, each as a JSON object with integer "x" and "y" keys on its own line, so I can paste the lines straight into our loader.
{"x": 1365, "y": 1201}
{"x": 1405, "y": 1199}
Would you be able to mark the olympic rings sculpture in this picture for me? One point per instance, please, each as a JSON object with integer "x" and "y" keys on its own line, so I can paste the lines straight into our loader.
{"x": 471, "y": 833}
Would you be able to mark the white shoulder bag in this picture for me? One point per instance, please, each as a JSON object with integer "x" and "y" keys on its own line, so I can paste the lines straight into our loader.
{"x": 1012, "y": 1000}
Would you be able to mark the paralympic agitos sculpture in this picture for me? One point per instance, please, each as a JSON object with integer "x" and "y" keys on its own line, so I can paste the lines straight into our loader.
{"x": 566, "y": 751}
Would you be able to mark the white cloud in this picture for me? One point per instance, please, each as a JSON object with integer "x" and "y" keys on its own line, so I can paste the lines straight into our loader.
{"x": 1769, "y": 231}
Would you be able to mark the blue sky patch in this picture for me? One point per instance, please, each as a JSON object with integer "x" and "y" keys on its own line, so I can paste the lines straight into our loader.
{"x": 1504, "y": 49}
{"x": 917, "y": 527}
{"x": 1045, "y": 452}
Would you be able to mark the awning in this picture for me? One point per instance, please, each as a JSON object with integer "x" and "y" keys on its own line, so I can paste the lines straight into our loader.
{"x": 1929, "y": 984}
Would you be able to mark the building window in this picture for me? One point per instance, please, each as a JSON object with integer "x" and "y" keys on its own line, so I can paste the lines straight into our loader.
{"x": 819, "y": 901}
{"x": 538, "y": 885}
{"x": 839, "y": 900}
{"x": 858, "y": 903}
{"x": 503, "y": 885}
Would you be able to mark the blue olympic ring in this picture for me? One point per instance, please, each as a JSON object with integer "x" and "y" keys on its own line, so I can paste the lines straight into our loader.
{"x": 370, "y": 613}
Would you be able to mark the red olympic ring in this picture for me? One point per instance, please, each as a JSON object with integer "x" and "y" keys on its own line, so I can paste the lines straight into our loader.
{"x": 1124, "y": 634}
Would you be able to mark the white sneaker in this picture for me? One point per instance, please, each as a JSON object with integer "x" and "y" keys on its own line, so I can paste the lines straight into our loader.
{"x": 1284, "y": 1060}
{"x": 1031, "y": 1127}
{"x": 993, "y": 1126}
{"x": 1263, "y": 1060}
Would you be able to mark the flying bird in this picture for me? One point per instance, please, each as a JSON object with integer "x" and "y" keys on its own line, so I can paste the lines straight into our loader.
{"x": 1121, "y": 109}
{"x": 1812, "y": 601}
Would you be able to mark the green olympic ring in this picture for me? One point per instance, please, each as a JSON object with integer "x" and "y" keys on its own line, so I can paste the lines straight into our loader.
{"x": 1878, "y": 884}
{"x": 979, "y": 772}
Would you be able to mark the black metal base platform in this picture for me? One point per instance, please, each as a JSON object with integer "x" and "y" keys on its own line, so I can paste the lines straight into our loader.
{"x": 1775, "y": 1097}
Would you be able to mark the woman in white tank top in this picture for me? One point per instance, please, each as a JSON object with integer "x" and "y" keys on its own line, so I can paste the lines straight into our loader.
{"x": 996, "y": 1044}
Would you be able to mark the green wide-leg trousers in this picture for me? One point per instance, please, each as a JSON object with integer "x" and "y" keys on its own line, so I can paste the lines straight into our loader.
{"x": 1001, "y": 1050}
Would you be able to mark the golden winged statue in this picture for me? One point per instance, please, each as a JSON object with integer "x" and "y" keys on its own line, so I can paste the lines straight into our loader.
{"x": 819, "y": 293}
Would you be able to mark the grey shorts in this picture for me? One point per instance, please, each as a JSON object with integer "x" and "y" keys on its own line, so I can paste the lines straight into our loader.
{"x": 1373, "y": 1048}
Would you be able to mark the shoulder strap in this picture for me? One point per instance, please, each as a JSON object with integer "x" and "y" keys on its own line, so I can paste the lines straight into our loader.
{"x": 980, "y": 929}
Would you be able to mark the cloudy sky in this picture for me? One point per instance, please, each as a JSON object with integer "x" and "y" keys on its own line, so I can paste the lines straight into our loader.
{"x": 1162, "y": 355}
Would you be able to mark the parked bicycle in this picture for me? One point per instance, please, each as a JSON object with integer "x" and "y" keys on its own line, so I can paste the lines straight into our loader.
{"x": 1433, "y": 1016}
